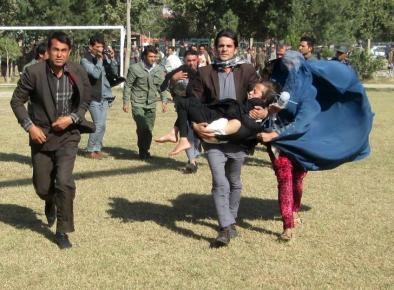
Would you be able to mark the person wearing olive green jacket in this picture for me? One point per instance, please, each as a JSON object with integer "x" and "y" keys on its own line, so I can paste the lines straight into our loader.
{"x": 142, "y": 88}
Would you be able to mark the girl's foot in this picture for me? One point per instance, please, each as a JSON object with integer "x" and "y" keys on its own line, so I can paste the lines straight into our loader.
{"x": 170, "y": 137}
{"x": 297, "y": 219}
{"x": 286, "y": 236}
{"x": 183, "y": 144}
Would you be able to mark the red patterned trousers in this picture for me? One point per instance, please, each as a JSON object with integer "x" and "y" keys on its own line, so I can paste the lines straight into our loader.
{"x": 290, "y": 177}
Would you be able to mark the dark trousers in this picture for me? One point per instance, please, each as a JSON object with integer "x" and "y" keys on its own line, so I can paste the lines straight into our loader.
{"x": 53, "y": 181}
{"x": 192, "y": 110}
{"x": 145, "y": 120}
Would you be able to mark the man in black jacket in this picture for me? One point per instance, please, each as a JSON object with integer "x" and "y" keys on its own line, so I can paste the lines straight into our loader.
{"x": 59, "y": 94}
{"x": 178, "y": 81}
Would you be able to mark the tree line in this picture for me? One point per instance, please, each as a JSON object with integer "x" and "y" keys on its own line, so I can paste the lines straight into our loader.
{"x": 328, "y": 21}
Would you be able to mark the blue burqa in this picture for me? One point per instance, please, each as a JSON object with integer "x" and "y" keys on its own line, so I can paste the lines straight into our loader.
{"x": 328, "y": 118}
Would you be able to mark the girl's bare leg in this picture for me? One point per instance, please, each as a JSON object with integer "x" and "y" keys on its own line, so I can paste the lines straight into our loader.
{"x": 183, "y": 144}
{"x": 172, "y": 136}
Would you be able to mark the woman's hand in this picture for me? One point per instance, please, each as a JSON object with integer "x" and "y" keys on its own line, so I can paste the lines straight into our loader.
{"x": 274, "y": 108}
{"x": 267, "y": 137}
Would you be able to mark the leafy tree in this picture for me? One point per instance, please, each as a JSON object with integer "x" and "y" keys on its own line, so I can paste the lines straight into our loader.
{"x": 8, "y": 12}
{"x": 365, "y": 64}
{"x": 229, "y": 20}
{"x": 329, "y": 21}
{"x": 9, "y": 50}
{"x": 375, "y": 18}
{"x": 195, "y": 18}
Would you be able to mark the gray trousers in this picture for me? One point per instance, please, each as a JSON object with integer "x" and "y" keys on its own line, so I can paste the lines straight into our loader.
{"x": 225, "y": 162}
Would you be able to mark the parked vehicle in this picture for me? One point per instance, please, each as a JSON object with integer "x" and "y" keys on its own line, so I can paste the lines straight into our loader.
{"x": 378, "y": 51}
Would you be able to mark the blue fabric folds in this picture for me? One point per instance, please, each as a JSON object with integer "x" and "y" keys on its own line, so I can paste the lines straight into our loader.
{"x": 328, "y": 119}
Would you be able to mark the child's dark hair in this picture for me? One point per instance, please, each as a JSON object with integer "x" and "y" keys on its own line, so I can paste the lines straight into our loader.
{"x": 271, "y": 92}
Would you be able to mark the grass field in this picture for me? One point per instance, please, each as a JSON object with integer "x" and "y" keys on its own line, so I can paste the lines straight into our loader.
{"x": 144, "y": 225}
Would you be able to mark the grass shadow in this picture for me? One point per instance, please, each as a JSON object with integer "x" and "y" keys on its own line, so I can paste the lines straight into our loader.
{"x": 23, "y": 218}
{"x": 116, "y": 153}
{"x": 193, "y": 208}
{"x": 253, "y": 161}
{"x": 13, "y": 157}
{"x": 155, "y": 163}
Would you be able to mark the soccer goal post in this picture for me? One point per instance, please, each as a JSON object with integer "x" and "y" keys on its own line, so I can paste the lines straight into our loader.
{"x": 121, "y": 29}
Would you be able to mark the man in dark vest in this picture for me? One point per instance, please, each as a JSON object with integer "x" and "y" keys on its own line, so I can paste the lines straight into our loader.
{"x": 99, "y": 63}
{"x": 59, "y": 94}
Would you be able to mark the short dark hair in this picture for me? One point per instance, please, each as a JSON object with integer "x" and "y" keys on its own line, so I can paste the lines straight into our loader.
{"x": 226, "y": 33}
{"x": 40, "y": 49}
{"x": 97, "y": 38}
{"x": 190, "y": 52}
{"x": 61, "y": 37}
{"x": 309, "y": 40}
{"x": 148, "y": 49}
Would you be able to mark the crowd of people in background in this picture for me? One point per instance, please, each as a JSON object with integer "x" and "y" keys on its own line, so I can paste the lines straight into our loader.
{"x": 258, "y": 54}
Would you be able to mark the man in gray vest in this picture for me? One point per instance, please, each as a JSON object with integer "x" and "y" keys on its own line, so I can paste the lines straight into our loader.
{"x": 95, "y": 63}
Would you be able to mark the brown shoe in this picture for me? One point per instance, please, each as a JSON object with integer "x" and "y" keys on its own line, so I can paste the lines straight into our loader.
{"x": 93, "y": 155}
{"x": 102, "y": 154}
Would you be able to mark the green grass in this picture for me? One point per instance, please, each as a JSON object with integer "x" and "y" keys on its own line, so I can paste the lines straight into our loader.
{"x": 144, "y": 225}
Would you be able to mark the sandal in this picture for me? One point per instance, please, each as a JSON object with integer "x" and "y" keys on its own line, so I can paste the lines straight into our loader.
{"x": 286, "y": 236}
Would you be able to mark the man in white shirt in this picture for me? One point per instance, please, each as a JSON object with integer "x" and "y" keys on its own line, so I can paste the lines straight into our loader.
{"x": 172, "y": 61}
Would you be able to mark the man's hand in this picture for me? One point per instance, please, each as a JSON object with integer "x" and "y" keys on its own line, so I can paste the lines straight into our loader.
{"x": 125, "y": 108}
{"x": 202, "y": 131}
{"x": 111, "y": 52}
{"x": 267, "y": 137}
{"x": 274, "y": 108}
{"x": 37, "y": 135}
{"x": 98, "y": 53}
{"x": 179, "y": 76}
{"x": 62, "y": 123}
{"x": 164, "y": 107}
{"x": 258, "y": 113}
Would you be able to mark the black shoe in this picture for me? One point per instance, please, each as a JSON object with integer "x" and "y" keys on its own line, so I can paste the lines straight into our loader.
{"x": 50, "y": 212}
{"x": 190, "y": 168}
{"x": 233, "y": 231}
{"x": 223, "y": 238}
{"x": 144, "y": 155}
{"x": 62, "y": 241}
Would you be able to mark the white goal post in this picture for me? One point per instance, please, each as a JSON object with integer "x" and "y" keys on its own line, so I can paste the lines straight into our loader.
{"x": 91, "y": 27}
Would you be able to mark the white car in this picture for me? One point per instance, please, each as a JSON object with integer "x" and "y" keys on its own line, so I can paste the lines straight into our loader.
{"x": 378, "y": 51}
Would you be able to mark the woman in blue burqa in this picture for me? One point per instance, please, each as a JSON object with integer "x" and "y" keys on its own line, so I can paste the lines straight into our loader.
{"x": 325, "y": 123}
